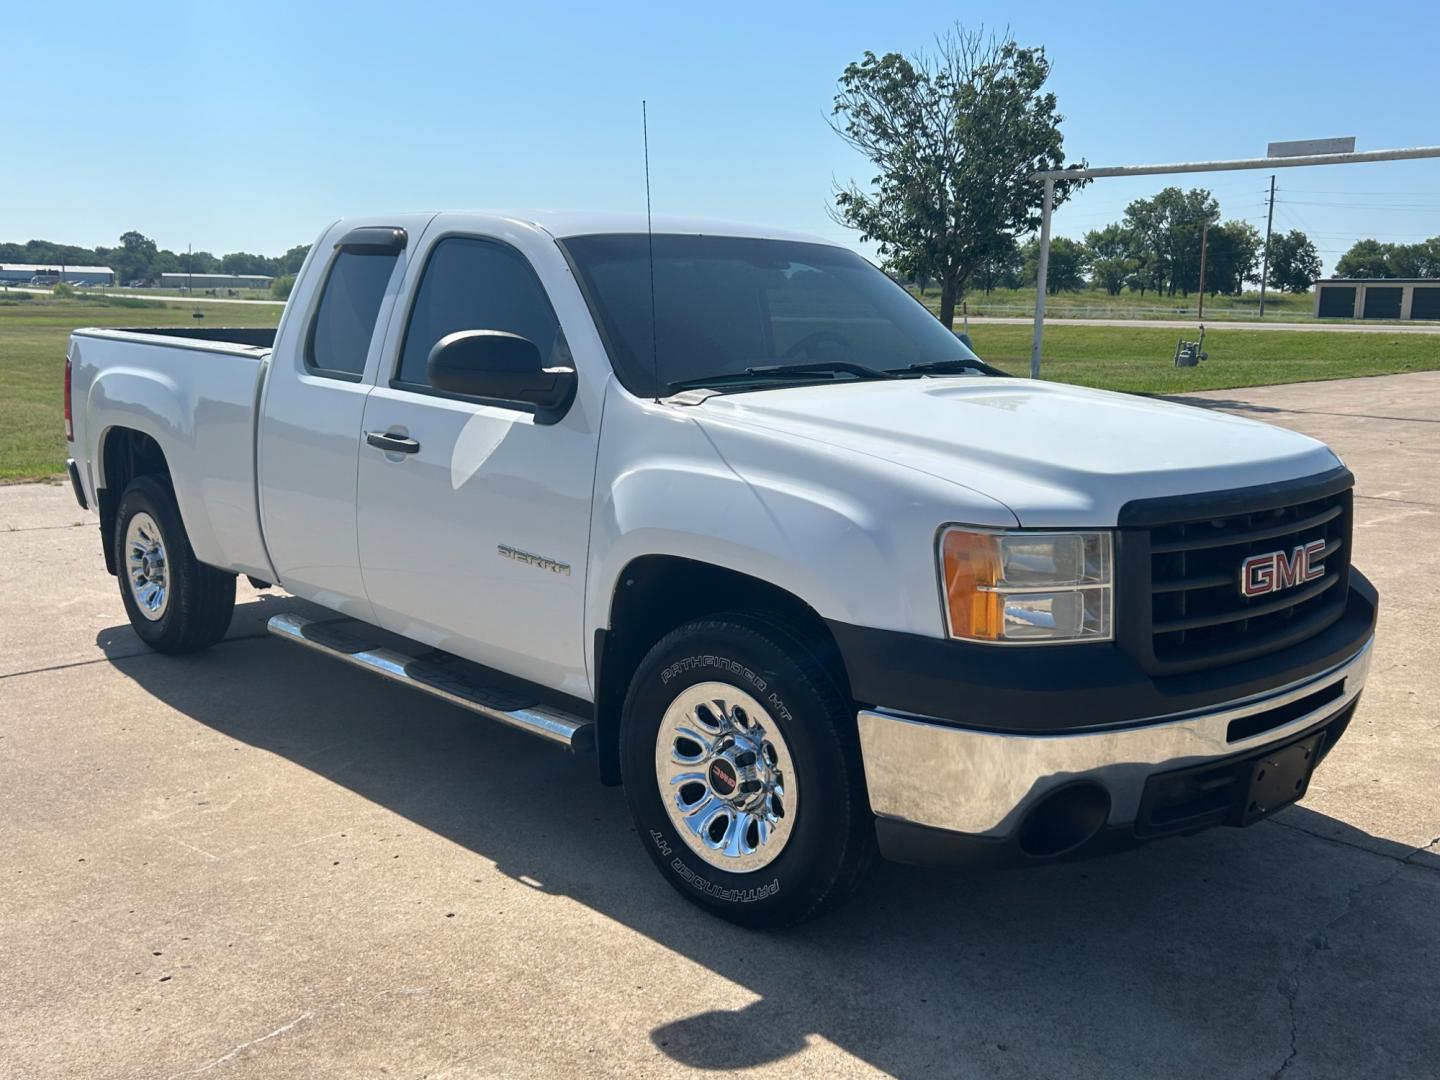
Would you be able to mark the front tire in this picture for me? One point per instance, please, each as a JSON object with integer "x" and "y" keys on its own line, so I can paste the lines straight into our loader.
{"x": 742, "y": 769}
{"x": 176, "y": 604}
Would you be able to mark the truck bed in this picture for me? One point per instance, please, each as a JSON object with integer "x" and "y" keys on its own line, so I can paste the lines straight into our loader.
{"x": 195, "y": 391}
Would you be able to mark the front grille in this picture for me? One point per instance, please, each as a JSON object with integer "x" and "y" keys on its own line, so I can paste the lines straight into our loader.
{"x": 1184, "y": 567}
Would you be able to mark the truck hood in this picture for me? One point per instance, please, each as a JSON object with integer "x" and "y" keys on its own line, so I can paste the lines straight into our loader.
{"x": 1056, "y": 455}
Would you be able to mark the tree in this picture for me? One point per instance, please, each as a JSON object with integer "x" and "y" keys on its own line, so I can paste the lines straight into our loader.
{"x": 955, "y": 137}
{"x": 1114, "y": 260}
{"x": 1168, "y": 228}
{"x": 1294, "y": 262}
{"x": 292, "y": 260}
{"x": 1365, "y": 259}
{"x": 1003, "y": 270}
{"x": 1232, "y": 258}
{"x": 1420, "y": 260}
{"x": 133, "y": 260}
{"x": 1068, "y": 259}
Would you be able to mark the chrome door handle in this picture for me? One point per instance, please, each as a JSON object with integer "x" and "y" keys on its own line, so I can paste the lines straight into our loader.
{"x": 392, "y": 444}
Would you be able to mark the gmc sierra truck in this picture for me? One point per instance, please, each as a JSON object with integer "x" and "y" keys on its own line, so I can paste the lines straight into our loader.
{"x": 731, "y": 511}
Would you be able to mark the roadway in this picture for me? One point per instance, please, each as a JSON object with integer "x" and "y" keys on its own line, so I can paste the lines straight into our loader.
{"x": 1215, "y": 324}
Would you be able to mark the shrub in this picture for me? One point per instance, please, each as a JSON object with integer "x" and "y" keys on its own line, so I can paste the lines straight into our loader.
{"x": 281, "y": 286}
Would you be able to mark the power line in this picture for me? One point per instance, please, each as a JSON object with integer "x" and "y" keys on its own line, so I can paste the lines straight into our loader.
{"x": 1396, "y": 194}
{"x": 1366, "y": 206}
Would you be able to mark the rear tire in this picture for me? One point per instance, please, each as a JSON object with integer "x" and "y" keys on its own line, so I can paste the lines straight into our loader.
{"x": 175, "y": 603}
{"x": 742, "y": 768}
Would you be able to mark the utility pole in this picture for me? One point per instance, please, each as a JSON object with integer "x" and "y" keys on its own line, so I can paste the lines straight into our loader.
{"x": 1204, "y": 242}
{"x": 1042, "y": 282}
{"x": 1265, "y": 262}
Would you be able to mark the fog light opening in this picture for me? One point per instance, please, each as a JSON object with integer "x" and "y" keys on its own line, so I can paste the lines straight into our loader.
{"x": 1064, "y": 819}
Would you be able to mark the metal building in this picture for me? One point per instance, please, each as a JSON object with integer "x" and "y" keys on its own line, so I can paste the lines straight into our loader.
{"x": 51, "y": 273}
{"x": 215, "y": 281}
{"x": 1378, "y": 298}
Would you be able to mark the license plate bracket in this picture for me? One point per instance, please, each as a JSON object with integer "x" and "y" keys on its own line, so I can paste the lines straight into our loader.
{"x": 1279, "y": 778}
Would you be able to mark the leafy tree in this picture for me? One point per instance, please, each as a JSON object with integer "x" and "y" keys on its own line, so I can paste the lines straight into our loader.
{"x": 1068, "y": 260}
{"x": 1294, "y": 262}
{"x": 133, "y": 259}
{"x": 955, "y": 137}
{"x": 1366, "y": 259}
{"x": 1420, "y": 260}
{"x": 1003, "y": 270}
{"x": 1168, "y": 228}
{"x": 280, "y": 288}
{"x": 1113, "y": 257}
{"x": 292, "y": 260}
{"x": 1232, "y": 258}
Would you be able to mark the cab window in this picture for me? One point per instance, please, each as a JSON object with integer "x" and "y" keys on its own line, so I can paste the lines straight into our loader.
{"x": 471, "y": 284}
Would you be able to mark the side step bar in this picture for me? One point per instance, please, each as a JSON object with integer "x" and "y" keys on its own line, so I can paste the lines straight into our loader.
{"x": 433, "y": 678}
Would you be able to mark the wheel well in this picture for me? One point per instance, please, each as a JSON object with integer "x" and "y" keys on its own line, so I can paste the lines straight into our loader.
{"x": 655, "y": 594}
{"x": 125, "y": 454}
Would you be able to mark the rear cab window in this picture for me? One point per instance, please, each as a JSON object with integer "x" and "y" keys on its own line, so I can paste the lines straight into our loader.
{"x": 344, "y": 323}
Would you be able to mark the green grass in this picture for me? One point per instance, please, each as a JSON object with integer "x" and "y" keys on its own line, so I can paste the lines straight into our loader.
{"x": 1138, "y": 359}
{"x": 1141, "y": 360}
{"x": 33, "y": 335}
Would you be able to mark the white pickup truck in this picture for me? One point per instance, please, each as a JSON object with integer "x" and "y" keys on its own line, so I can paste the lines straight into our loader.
{"x": 730, "y": 510}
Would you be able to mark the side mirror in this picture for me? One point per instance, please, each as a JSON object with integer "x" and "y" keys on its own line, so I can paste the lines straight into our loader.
{"x": 494, "y": 364}
{"x": 964, "y": 340}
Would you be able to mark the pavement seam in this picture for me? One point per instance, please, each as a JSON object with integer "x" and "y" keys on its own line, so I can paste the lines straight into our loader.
{"x": 281, "y": 1030}
{"x": 115, "y": 659}
{"x": 42, "y": 528}
{"x": 1408, "y": 859}
{"x": 1403, "y": 502}
{"x": 1316, "y": 943}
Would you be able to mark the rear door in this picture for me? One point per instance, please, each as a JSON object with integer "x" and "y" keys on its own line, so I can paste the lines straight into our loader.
{"x": 323, "y": 365}
{"x": 475, "y": 541}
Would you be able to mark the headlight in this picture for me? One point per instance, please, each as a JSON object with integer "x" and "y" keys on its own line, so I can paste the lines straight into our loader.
{"x": 1027, "y": 586}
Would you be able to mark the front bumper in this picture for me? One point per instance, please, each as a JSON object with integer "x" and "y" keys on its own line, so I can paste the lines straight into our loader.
{"x": 944, "y": 793}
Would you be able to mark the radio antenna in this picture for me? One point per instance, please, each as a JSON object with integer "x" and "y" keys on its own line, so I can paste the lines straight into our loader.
{"x": 650, "y": 243}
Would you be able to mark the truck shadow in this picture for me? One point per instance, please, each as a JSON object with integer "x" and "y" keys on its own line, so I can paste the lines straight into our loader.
{"x": 1172, "y": 959}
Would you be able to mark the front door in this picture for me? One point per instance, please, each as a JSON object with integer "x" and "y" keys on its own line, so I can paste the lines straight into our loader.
{"x": 473, "y": 516}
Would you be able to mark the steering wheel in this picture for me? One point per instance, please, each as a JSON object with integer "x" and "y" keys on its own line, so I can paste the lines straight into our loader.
{"x": 819, "y": 337}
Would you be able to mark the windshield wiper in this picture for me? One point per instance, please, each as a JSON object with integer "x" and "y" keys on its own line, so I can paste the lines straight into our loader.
{"x": 822, "y": 367}
{"x": 943, "y": 367}
{"x": 785, "y": 371}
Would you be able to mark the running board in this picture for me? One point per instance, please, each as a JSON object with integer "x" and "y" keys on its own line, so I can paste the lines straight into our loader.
{"x": 436, "y": 679}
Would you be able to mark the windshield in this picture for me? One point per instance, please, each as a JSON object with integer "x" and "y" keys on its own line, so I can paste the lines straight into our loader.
{"x": 726, "y": 305}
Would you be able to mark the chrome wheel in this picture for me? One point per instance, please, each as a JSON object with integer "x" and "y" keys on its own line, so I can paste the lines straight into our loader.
{"x": 145, "y": 567}
{"x": 726, "y": 777}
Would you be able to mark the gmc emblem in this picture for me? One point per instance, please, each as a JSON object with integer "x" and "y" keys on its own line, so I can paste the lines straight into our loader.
{"x": 1273, "y": 571}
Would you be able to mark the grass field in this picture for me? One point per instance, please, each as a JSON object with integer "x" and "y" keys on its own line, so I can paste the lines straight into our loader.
{"x": 1137, "y": 359}
{"x": 1140, "y": 360}
{"x": 33, "y": 335}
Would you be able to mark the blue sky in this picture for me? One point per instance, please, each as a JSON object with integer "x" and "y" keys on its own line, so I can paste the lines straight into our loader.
{"x": 249, "y": 125}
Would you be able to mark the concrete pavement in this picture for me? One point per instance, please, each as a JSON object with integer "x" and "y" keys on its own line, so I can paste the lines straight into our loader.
{"x": 259, "y": 863}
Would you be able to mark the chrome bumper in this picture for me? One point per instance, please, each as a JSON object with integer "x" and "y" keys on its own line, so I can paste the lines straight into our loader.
{"x": 982, "y": 782}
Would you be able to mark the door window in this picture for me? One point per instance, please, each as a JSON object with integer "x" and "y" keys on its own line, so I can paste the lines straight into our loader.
{"x": 345, "y": 320}
{"x": 473, "y": 284}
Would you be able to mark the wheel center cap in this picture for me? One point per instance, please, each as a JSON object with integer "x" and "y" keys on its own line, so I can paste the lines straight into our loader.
{"x": 723, "y": 777}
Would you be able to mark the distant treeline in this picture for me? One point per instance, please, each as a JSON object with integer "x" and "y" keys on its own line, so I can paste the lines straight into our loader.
{"x": 137, "y": 258}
